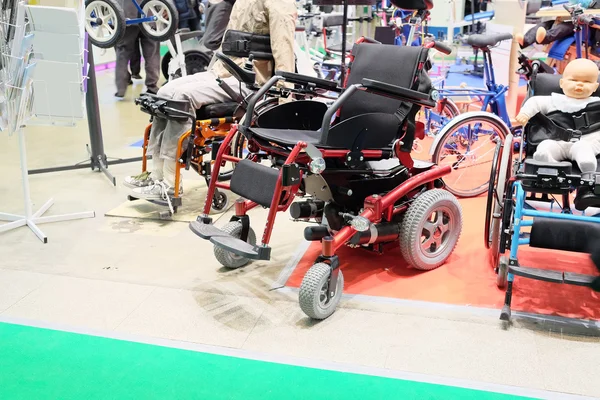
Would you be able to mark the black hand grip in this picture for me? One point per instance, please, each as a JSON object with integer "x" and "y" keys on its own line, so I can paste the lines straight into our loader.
{"x": 303, "y": 80}
{"x": 442, "y": 48}
{"x": 394, "y": 90}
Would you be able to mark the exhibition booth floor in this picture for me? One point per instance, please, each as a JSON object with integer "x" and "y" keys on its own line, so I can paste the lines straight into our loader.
{"x": 153, "y": 281}
{"x": 467, "y": 279}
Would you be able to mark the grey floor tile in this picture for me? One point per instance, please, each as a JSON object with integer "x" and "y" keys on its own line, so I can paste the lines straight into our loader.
{"x": 80, "y": 302}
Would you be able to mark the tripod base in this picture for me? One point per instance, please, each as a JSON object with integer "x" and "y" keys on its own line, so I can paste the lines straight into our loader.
{"x": 17, "y": 221}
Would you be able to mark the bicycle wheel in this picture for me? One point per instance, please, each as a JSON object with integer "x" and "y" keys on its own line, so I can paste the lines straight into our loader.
{"x": 167, "y": 19}
{"x": 467, "y": 143}
{"x": 104, "y": 22}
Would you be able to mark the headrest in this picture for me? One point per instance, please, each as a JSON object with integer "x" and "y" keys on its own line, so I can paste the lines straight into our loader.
{"x": 546, "y": 84}
{"x": 413, "y": 4}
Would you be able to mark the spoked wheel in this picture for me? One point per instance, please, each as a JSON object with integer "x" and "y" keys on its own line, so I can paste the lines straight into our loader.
{"x": 467, "y": 143}
{"x": 430, "y": 229}
{"x": 499, "y": 176}
{"x": 194, "y": 62}
{"x": 167, "y": 19}
{"x": 315, "y": 300}
{"x": 220, "y": 202}
{"x": 227, "y": 258}
{"x": 104, "y": 22}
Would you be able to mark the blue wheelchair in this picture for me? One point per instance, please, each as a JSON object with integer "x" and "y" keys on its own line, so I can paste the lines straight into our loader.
{"x": 526, "y": 193}
{"x": 105, "y": 20}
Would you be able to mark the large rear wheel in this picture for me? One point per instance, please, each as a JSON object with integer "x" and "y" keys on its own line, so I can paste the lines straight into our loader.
{"x": 467, "y": 143}
{"x": 499, "y": 177}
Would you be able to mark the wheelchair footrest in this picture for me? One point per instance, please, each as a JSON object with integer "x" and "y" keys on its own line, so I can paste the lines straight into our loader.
{"x": 225, "y": 241}
{"x": 569, "y": 278}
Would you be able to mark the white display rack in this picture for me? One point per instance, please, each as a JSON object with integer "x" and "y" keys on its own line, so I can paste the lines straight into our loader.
{"x": 42, "y": 75}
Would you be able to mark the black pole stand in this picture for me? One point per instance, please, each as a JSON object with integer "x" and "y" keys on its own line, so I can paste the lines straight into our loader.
{"x": 98, "y": 159}
{"x": 344, "y": 34}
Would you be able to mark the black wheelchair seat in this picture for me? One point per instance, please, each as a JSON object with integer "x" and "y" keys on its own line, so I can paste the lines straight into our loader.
{"x": 482, "y": 41}
{"x": 246, "y": 77}
{"x": 533, "y": 167}
{"x": 219, "y": 110}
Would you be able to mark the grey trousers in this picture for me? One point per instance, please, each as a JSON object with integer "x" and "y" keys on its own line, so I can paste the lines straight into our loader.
{"x": 126, "y": 51}
{"x": 199, "y": 89}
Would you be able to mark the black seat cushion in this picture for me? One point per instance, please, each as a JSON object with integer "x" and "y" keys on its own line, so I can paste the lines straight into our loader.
{"x": 287, "y": 137}
{"x": 567, "y": 167}
{"x": 219, "y": 110}
{"x": 481, "y": 41}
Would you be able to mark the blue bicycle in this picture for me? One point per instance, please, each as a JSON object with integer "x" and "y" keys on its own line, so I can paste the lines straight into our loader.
{"x": 105, "y": 20}
{"x": 467, "y": 141}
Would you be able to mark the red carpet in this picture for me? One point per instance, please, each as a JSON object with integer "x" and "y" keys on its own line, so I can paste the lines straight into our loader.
{"x": 467, "y": 278}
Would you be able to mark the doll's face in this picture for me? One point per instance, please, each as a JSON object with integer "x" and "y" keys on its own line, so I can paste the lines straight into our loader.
{"x": 580, "y": 79}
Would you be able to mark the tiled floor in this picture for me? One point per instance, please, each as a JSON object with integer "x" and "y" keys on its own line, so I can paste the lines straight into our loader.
{"x": 156, "y": 279}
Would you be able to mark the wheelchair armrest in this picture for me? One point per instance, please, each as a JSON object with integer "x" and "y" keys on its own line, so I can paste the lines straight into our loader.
{"x": 385, "y": 89}
{"x": 304, "y": 79}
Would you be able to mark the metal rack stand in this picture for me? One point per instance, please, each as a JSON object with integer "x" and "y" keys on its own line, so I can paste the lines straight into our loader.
{"x": 97, "y": 157}
{"x": 16, "y": 94}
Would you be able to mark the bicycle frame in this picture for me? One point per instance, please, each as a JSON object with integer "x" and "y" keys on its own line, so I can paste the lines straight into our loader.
{"x": 493, "y": 97}
{"x": 143, "y": 17}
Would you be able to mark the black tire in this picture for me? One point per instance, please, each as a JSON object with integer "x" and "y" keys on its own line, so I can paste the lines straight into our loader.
{"x": 497, "y": 192}
{"x": 164, "y": 65}
{"x": 491, "y": 196}
{"x": 500, "y": 129}
{"x": 311, "y": 297}
{"x": 173, "y": 18}
{"x": 414, "y": 225}
{"x": 220, "y": 202}
{"x": 502, "y": 275}
{"x": 118, "y": 23}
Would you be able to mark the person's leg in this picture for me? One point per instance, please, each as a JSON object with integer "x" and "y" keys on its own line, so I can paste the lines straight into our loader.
{"x": 151, "y": 52}
{"x": 583, "y": 153}
{"x": 124, "y": 50}
{"x": 136, "y": 61}
{"x": 200, "y": 89}
{"x": 551, "y": 151}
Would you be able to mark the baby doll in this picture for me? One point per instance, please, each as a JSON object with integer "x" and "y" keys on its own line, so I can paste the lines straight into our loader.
{"x": 579, "y": 82}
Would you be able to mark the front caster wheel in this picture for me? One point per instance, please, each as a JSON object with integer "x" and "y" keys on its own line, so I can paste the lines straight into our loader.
{"x": 502, "y": 277}
{"x": 220, "y": 202}
{"x": 227, "y": 258}
{"x": 314, "y": 299}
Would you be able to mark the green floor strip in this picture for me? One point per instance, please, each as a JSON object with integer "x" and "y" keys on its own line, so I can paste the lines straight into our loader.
{"x": 39, "y": 363}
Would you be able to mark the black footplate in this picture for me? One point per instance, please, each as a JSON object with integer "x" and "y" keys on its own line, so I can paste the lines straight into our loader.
{"x": 570, "y": 278}
{"x": 225, "y": 241}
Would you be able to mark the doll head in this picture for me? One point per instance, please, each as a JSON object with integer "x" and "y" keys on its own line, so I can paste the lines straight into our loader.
{"x": 580, "y": 79}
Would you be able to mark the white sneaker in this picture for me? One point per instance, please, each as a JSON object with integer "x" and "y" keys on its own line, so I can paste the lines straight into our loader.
{"x": 157, "y": 191}
{"x": 138, "y": 181}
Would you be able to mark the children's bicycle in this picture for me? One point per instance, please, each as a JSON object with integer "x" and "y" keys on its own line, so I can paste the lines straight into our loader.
{"x": 105, "y": 20}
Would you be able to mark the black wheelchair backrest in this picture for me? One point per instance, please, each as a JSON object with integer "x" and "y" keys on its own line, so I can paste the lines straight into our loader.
{"x": 396, "y": 65}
